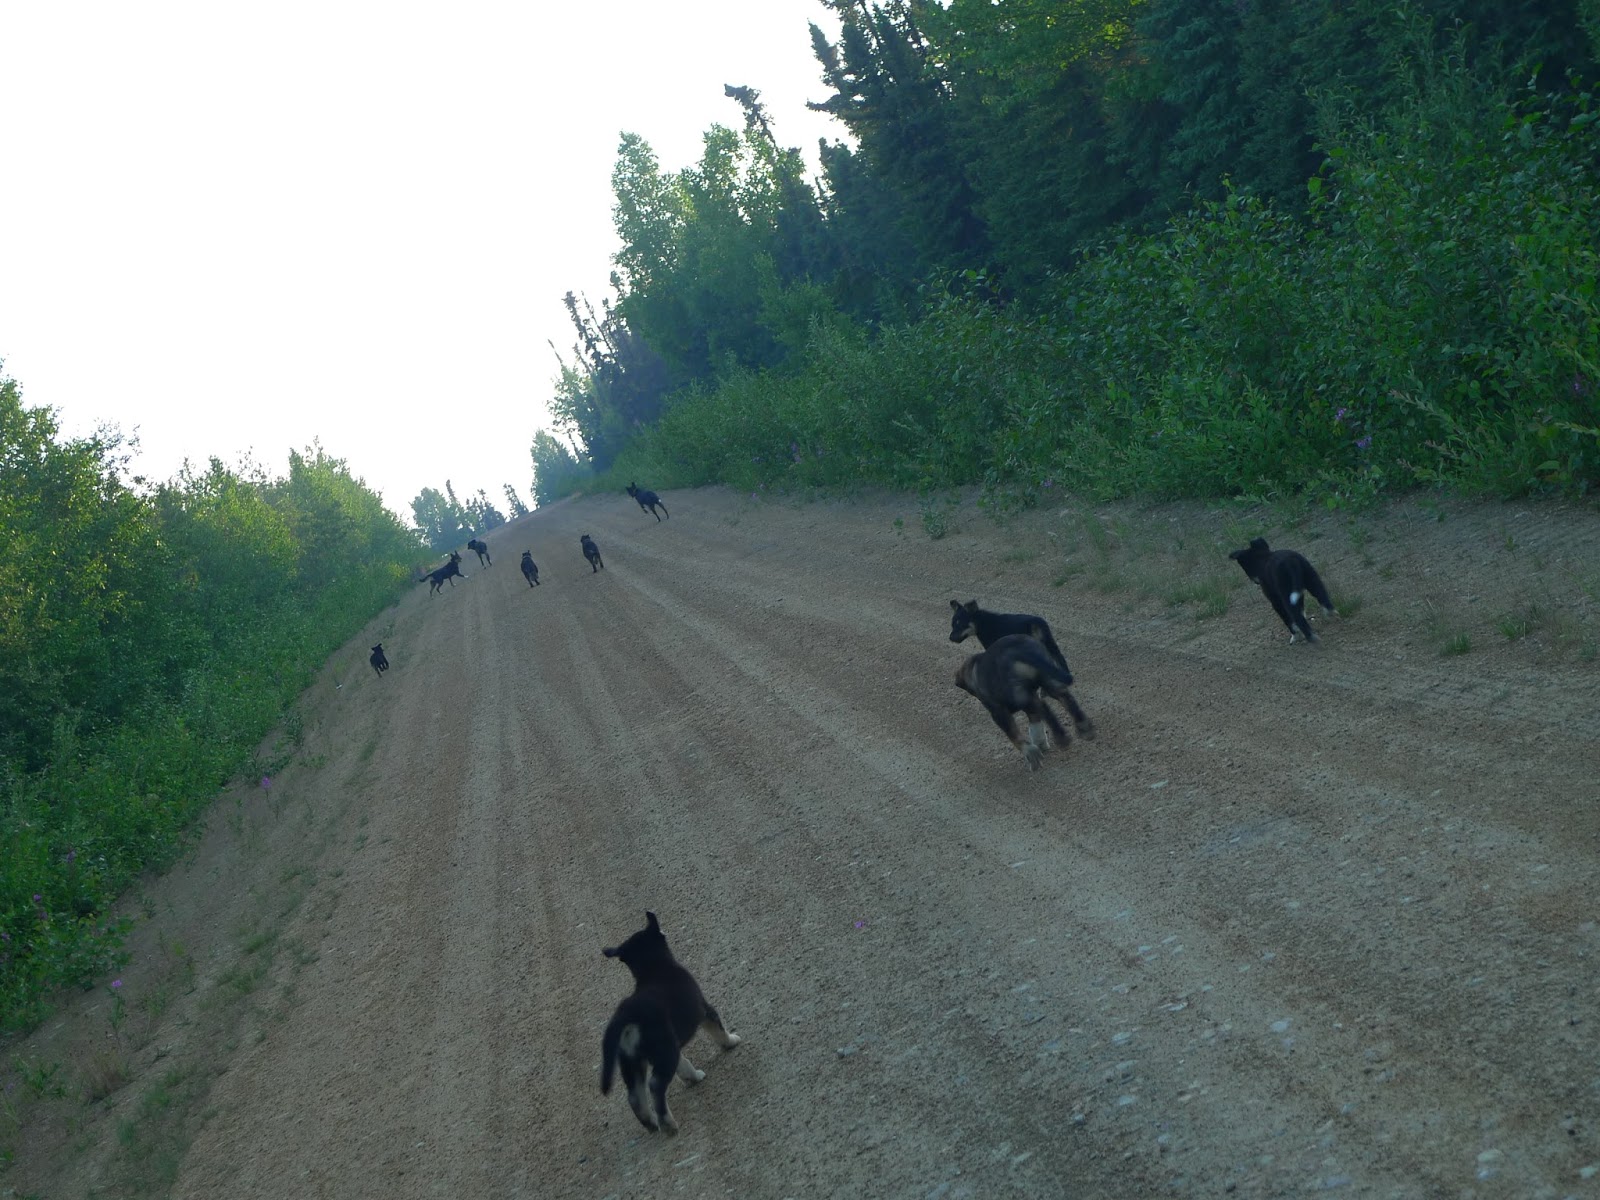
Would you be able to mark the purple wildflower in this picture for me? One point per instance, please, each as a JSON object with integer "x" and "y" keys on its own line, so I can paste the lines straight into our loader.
{"x": 1363, "y": 443}
{"x": 1339, "y": 416}
{"x": 116, "y": 983}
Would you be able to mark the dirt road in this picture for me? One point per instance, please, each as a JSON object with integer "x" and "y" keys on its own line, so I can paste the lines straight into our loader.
{"x": 1301, "y": 919}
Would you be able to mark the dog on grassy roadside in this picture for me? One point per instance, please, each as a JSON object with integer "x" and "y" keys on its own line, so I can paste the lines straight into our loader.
{"x": 969, "y": 620}
{"x": 1285, "y": 576}
{"x": 646, "y": 1035}
{"x": 530, "y": 569}
{"x": 483, "y": 551}
{"x": 592, "y": 553}
{"x": 647, "y": 499}
{"x": 379, "y": 660}
{"x": 451, "y": 571}
{"x": 1008, "y": 678}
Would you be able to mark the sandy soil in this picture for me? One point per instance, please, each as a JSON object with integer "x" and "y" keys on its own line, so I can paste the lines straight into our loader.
{"x": 1301, "y": 919}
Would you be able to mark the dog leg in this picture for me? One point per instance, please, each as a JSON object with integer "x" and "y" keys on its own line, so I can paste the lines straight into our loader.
{"x": 1080, "y": 719}
{"x": 718, "y": 1032}
{"x": 1009, "y": 727}
{"x": 1297, "y": 609}
{"x": 658, "y": 1091}
{"x": 1057, "y": 732}
{"x": 633, "y": 1074}
{"x": 687, "y": 1071}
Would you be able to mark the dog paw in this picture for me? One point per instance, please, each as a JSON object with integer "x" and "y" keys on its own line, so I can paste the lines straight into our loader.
{"x": 1086, "y": 730}
{"x": 669, "y": 1126}
{"x": 733, "y": 1040}
{"x": 1033, "y": 754}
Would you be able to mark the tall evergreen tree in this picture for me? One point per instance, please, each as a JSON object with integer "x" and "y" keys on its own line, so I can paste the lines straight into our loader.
{"x": 891, "y": 90}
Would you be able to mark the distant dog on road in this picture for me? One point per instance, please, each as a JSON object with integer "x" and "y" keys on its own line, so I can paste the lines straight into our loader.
{"x": 647, "y": 499}
{"x": 530, "y": 569}
{"x": 592, "y": 553}
{"x": 379, "y": 660}
{"x": 483, "y": 551}
{"x": 451, "y": 571}
{"x": 1008, "y": 678}
{"x": 1285, "y": 576}
{"x": 647, "y": 1033}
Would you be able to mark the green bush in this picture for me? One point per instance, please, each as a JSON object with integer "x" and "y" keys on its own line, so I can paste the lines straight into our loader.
{"x": 1432, "y": 321}
{"x": 142, "y": 665}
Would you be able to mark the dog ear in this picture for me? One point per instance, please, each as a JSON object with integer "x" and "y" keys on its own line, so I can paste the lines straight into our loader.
{"x": 956, "y": 605}
{"x": 1258, "y": 543}
{"x": 651, "y": 922}
{"x": 611, "y": 951}
{"x": 972, "y": 606}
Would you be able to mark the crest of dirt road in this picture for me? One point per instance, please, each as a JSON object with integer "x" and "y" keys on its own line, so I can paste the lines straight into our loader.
{"x": 1302, "y": 918}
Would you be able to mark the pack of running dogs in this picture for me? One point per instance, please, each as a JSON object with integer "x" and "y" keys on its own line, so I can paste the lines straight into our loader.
{"x": 647, "y": 500}
{"x": 1019, "y": 669}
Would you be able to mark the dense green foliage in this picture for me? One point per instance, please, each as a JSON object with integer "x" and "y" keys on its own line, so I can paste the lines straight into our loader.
{"x": 148, "y": 640}
{"x": 1129, "y": 246}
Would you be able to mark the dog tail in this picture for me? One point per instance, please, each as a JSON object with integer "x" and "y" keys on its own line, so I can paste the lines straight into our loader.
{"x": 1317, "y": 588}
{"x": 1041, "y": 634}
{"x": 621, "y": 1040}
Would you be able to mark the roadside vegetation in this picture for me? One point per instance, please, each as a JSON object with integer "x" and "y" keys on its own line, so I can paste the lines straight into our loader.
{"x": 150, "y": 636}
{"x": 1117, "y": 257}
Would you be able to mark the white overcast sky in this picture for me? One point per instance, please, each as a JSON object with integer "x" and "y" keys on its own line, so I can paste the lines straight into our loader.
{"x": 234, "y": 228}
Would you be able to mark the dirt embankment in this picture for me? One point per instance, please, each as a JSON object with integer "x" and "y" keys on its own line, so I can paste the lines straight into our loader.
{"x": 1301, "y": 919}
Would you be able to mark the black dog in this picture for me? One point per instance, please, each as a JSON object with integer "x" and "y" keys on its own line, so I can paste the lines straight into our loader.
{"x": 968, "y": 620}
{"x": 483, "y": 551}
{"x": 379, "y": 661}
{"x": 1285, "y": 577}
{"x": 648, "y": 500}
{"x": 1008, "y": 678}
{"x": 592, "y": 553}
{"x": 451, "y": 570}
{"x": 530, "y": 569}
{"x": 989, "y": 627}
{"x": 647, "y": 1033}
